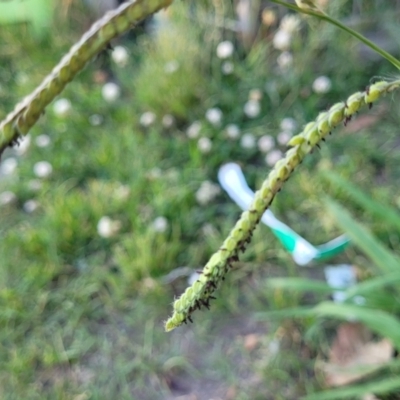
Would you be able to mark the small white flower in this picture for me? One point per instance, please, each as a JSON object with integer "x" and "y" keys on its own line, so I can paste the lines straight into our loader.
{"x": 225, "y": 49}
{"x": 42, "y": 169}
{"x": 23, "y": 145}
{"x": 208, "y": 230}
{"x": 193, "y": 131}
{"x": 288, "y": 124}
{"x": 120, "y": 56}
{"x": 110, "y": 92}
{"x": 171, "y": 67}
{"x": 290, "y": 23}
{"x": 282, "y": 40}
{"x": 122, "y": 192}
{"x": 96, "y": 119}
{"x": 62, "y": 107}
{"x": 160, "y": 224}
{"x": 214, "y": 116}
{"x": 106, "y": 227}
{"x": 284, "y": 137}
{"x": 268, "y": 17}
{"x": 7, "y": 198}
{"x": 255, "y": 95}
{"x": 168, "y": 121}
{"x": 285, "y": 59}
{"x": 248, "y": 141}
{"x": 272, "y": 157}
{"x": 8, "y": 166}
{"x": 252, "y": 108}
{"x": 35, "y": 185}
{"x": 147, "y": 118}
{"x": 204, "y": 144}
{"x": 322, "y": 85}
{"x": 227, "y": 67}
{"x": 30, "y": 206}
{"x": 42, "y": 140}
{"x": 232, "y": 131}
{"x": 207, "y": 192}
{"x": 266, "y": 143}
{"x": 154, "y": 173}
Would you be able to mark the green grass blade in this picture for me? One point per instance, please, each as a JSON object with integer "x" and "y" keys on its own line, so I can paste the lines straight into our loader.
{"x": 379, "y": 387}
{"x": 387, "y": 214}
{"x": 378, "y": 321}
{"x": 298, "y": 312}
{"x": 364, "y": 239}
{"x": 300, "y": 285}
{"x": 373, "y": 285}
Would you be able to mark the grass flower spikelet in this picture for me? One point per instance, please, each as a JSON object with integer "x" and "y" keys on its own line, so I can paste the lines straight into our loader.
{"x": 200, "y": 293}
{"x": 114, "y": 23}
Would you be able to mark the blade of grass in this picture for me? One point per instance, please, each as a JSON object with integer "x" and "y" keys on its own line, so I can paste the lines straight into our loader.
{"x": 379, "y": 387}
{"x": 378, "y": 321}
{"x": 386, "y": 213}
{"x": 300, "y": 285}
{"x": 362, "y": 237}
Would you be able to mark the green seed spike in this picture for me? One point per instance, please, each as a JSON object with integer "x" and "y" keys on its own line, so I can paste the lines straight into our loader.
{"x": 215, "y": 270}
{"x": 113, "y": 24}
{"x": 353, "y": 104}
{"x": 336, "y": 114}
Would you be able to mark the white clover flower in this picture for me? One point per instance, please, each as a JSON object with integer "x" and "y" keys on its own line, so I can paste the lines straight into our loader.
{"x": 30, "y": 206}
{"x": 282, "y": 40}
{"x": 154, "y": 173}
{"x": 204, "y": 144}
{"x": 35, "y": 185}
{"x": 171, "y": 67}
{"x": 42, "y": 169}
{"x": 168, "y": 121}
{"x": 252, "y": 108}
{"x": 322, "y": 85}
{"x": 227, "y": 67}
{"x": 266, "y": 143}
{"x": 272, "y": 157}
{"x": 160, "y": 224}
{"x": 122, "y": 192}
{"x": 290, "y": 23}
{"x": 232, "y": 131}
{"x": 9, "y": 166}
{"x": 283, "y": 137}
{"x": 120, "y": 55}
{"x": 255, "y": 94}
{"x": 24, "y": 144}
{"x": 288, "y": 124}
{"x": 147, "y": 118}
{"x": 193, "y": 131}
{"x": 285, "y": 59}
{"x": 268, "y": 17}
{"x": 225, "y": 49}
{"x": 110, "y": 92}
{"x": 106, "y": 227}
{"x": 248, "y": 141}
{"x": 96, "y": 119}
{"x": 208, "y": 230}
{"x": 207, "y": 192}
{"x": 214, "y": 116}
{"x": 62, "y": 107}
{"x": 42, "y": 140}
{"x": 7, "y": 198}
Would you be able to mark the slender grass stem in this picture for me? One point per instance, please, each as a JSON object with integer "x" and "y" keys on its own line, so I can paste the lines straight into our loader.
{"x": 321, "y": 15}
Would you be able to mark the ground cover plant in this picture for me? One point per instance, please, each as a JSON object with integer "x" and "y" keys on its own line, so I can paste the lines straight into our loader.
{"x": 92, "y": 225}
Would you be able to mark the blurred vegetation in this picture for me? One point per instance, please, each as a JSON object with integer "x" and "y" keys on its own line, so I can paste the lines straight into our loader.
{"x": 81, "y": 312}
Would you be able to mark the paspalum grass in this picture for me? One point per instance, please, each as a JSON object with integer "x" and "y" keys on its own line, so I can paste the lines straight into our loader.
{"x": 113, "y": 24}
